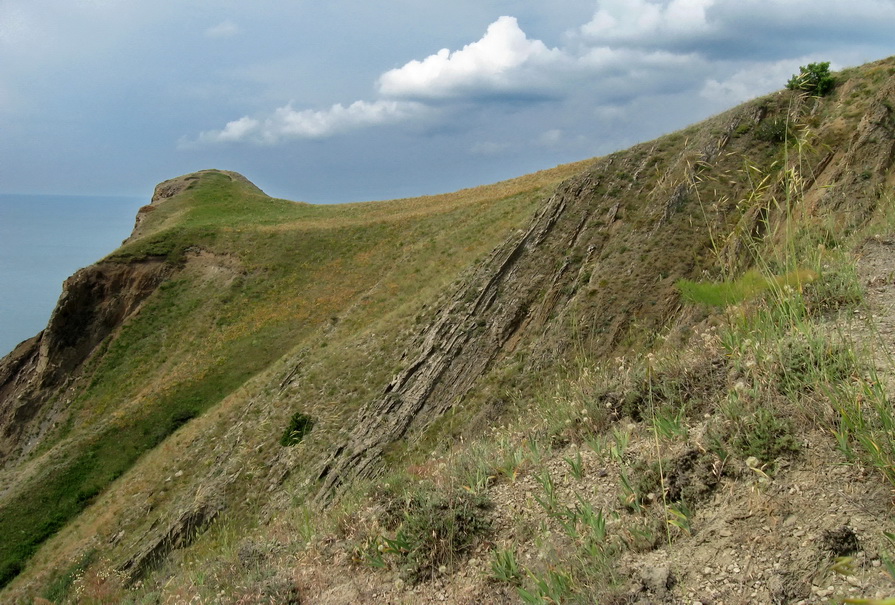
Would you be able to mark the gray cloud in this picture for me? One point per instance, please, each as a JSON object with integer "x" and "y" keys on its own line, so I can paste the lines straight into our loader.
{"x": 504, "y": 66}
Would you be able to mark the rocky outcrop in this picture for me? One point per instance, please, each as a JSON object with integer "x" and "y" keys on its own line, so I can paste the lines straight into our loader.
{"x": 178, "y": 534}
{"x": 582, "y": 259}
{"x": 452, "y": 354}
{"x": 35, "y": 377}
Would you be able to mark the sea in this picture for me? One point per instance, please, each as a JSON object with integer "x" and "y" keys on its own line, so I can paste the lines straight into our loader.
{"x": 43, "y": 240}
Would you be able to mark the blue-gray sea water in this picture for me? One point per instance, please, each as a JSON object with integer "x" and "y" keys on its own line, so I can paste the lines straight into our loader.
{"x": 43, "y": 240}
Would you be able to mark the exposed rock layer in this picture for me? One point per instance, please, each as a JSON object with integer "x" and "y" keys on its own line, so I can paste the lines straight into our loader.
{"x": 35, "y": 377}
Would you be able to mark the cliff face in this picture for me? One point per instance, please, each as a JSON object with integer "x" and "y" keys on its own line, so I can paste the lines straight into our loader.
{"x": 36, "y": 376}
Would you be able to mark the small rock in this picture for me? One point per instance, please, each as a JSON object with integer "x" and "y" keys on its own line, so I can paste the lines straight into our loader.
{"x": 657, "y": 579}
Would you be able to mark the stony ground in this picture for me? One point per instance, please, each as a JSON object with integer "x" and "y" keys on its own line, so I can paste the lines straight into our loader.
{"x": 756, "y": 541}
{"x": 809, "y": 533}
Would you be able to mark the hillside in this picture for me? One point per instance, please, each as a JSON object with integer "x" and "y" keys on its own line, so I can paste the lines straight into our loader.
{"x": 658, "y": 376}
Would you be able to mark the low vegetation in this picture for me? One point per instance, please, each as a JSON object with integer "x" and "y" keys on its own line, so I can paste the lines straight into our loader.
{"x": 710, "y": 358}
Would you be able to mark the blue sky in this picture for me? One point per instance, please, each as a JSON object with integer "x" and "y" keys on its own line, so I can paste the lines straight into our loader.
{"x": 349, "y": 100}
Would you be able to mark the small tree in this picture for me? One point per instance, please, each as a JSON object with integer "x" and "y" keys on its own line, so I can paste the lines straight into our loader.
{"x": 815, "y": 79}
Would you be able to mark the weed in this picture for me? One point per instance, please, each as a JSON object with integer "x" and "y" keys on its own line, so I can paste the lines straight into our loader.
{"x": 669, "y": 423}
{"x": 474, "y": 469}
{"x": 641, "y": 536}
{"x": 535, "y": 450}
{"x": 619, "y": 445}
{"x": 838, "y": 288}
{"x": 548, "y": 501}
{"x": 866, "y": 424}
{"x": 766, "y": 436}
{"x": 679, "y": 516}
{"x": 593, "y": 523}
{"x": 512, "y": 459}
{"x": 553, "y": 586}
{"x": 806, "y": 361}
{"x": 504, "y": 567}
{"x": 748, "y": 286}
{"x": 306, "y": 524}
{"x": 435, "y": 532}
{"x": 576, "y": 466}
{"x": 630, "y": 497}
{"x": 596, "y": 443}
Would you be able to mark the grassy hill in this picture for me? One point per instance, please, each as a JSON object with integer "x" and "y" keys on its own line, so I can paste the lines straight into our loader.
{"x": 570, "y": 386}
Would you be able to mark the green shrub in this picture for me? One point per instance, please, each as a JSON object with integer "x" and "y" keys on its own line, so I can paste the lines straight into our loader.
{"x": 436, "y": 532}
{"x": 299, "y": 425}
{"x": 765, "y": 436}
{"x": 815, "y": 79}
{"x": 443, "y": 529}
{"x": 772, "y": 130}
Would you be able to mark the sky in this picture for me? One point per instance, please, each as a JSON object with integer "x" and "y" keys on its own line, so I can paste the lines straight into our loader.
{"x": 350, "y": 100}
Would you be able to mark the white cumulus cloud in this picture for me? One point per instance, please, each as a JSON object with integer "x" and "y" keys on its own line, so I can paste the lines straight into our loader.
{"x": 496, "y": 63}
{"x": 287, "y": 123}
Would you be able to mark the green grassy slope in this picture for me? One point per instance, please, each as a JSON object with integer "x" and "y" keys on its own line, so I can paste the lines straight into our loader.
{"x": 255, "y": 277}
